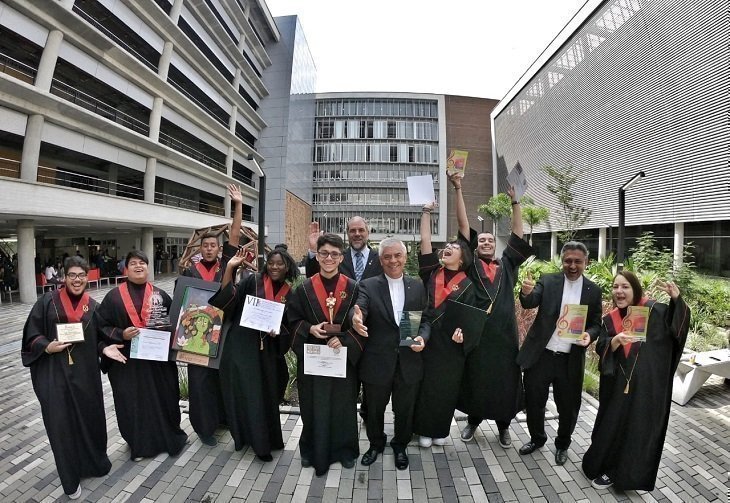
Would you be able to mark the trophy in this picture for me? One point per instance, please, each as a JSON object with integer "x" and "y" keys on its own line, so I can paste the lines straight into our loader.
{"x": 331, "y": 327}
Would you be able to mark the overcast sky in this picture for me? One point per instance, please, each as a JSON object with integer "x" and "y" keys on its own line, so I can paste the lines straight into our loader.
{"x": 463, "y": 47}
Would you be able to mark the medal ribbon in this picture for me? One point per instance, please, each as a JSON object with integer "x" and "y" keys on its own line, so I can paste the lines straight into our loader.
{"x": 129, "y": 305}
{"x": 322, "y": 294}
{"x": 208, "y": 274}
{"x": 74, "y": 315}
{"x": 443, "y": 291}
{"x": 269, "y": 290}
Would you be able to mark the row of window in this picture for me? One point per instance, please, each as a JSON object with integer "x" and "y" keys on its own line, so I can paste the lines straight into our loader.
{"x": 395, "y": 197}
{"x": 355, "y": 128}
{"x": 368, "y": 175}
{"x": 376, "y": 152}
{"x": 377, "y": 107}
{"x": 379, "y": 222}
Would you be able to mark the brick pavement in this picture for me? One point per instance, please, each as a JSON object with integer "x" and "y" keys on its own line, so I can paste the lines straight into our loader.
{"x": 694, "y": 465}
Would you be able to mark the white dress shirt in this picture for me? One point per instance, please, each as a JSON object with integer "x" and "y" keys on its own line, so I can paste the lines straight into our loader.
{"x": 397, "y": 296}
{"x": 571, "y": 295}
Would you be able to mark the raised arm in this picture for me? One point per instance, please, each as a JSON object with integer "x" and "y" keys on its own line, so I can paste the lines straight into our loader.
{"x": 426, "y": 247}
{"x": 461, "y": 218}
{"x": 234, "y": 192}
{"x": 516, "y": 213}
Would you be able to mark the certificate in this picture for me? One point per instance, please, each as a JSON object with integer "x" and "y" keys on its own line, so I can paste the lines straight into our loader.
{"x": 70, "y": 332}
{"x": 420, "y": 190}
{"x": 518, "y": 180}
{"x": 322, "y": 360}
{"x": 636, "y": 321}
{"x": 150, "y": 345}
{"x": 572, "y": 322}
{"x": 262, "y": 314}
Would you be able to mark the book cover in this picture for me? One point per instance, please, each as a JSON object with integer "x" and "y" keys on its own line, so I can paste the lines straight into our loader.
{"x": 456, "y": 162}
{"x": 572, "y": 322}
{"x": 636, "y": 321}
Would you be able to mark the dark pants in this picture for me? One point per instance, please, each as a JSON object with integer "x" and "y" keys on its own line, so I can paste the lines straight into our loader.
{"x": 476, "y": 420}
{"x": 404, "y": 401}
{"x": 551, "y": 368}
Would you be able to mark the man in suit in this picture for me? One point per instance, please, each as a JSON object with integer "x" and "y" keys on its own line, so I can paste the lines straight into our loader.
{"x": 360, "y": 261}
{"x": 547, "y": 359}
{"x": 388, "y": 367}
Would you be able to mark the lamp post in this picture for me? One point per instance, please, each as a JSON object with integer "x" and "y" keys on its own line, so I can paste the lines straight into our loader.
{"x": 262, "y": 214}
{"x": 481, "y": 219}
{"x": 622, "y": 217}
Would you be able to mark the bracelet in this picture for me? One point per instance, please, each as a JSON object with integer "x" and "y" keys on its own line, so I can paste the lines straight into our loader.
{"x": 426, "y": 210}
{"x": 515, "y": 202}
{"x": 457, "y": 188}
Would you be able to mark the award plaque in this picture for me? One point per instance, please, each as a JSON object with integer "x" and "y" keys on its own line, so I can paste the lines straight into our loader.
{"x": 70, "y": 332}
{"x": 331, "y": 327}
{"x": 410, "y": 321}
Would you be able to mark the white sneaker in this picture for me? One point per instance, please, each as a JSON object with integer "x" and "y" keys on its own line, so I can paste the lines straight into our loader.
{"x": 76, "y": 495}
{"x": 439, "y": 441}
{"x": 425, "y": 441}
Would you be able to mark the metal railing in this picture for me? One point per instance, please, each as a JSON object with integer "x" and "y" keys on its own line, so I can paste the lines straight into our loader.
{"x": 9, "y": 168}
{"x": 216, "y": 115}
{"x": 174, "y": 143}
{"x": 17, "y": 69}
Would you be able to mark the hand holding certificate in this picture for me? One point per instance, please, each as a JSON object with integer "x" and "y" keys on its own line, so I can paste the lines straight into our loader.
{"x": 70, "y": 332}
{"x": 150, "y": 345}
{"x": 262, "y": 314}
{"x": 572, "y": 322}
{"x": 322, "y": 360}
{"x": 635, "y": 322}
{"x": 518, "y": 180}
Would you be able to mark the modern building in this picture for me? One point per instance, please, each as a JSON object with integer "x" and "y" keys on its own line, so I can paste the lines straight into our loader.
{"x": 123, "y": 122}
{"x": 630, "y": 86}
{"x": 367, "y": 144}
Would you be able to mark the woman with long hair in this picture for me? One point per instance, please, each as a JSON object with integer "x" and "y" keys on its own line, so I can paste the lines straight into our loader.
{"x": 251, "y": 360}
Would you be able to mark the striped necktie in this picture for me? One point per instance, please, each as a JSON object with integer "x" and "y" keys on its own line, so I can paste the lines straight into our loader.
{"x": 359, "y": 265}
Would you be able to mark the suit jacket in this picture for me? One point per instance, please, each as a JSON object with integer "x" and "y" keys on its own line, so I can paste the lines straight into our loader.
{"x": 382, "y": 353}
{"x": 372, "y": 268}
{"x": 548, "y": 295}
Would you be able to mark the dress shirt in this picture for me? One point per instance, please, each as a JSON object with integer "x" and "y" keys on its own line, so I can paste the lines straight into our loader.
{"x": 397, "y": 296}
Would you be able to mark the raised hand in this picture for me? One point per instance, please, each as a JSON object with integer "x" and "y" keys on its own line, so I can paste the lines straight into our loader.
{"x": 113, "y": 352}
{"x": 528, "y": 284}
{"x": 234, "y": 192}
{"x": 456, "y": 178}
{"x": 511, "y": 192}
{"x": 670, "y": 288}
{"x": 314, "y": 234}
{"x": 238, "y": 259}
{"x": 357, "y": 322}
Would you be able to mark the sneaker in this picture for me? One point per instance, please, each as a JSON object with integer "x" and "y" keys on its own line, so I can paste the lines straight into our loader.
{"x": 467, "y": 434}
{"x": 425, "y": 441}
{"x": 505, "y": 440}
{"x": 602, "y": 482}
{"x": 76, "y": 495}
{"x": 439, "y": 441}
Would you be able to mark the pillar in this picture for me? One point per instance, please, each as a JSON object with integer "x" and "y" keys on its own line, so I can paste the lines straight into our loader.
{"x": 113, "y": 175}
{"x": 553, "y": 244}
{"x": 148, "y": 246}
{"x": 678, "y": 243}
{"x": 155, "y": 118}
{"x": 149, "y": 180}
{"x": 47, "y": 64}
{"x": 233, "y": 119}
{"x": 175, "y": 10}
{"x": 26, "y": 261}
{"x": 31, "y": 148}
{"x": 602, "y": 243}
{"x": 163, "y": 66}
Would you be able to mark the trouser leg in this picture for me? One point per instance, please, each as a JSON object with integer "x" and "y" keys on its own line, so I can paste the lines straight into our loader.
{"x": 537, "y": 385}
{"x": 404, "y": 402}
{"x": 377, "y": 400}
{"x": 567, "y": 400}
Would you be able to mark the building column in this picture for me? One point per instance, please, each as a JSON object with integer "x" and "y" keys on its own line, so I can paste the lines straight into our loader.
{"x": 229, "y": 172}
{"x": 149, "y": 180}
{"x": 553, "y": 244}
{"x": 602, "y": 243}
{"x": 678, "y": 244}
{"x": 31, "y": 148}
{"x": 47, "y": 64}
{"x": 233, "y": 119}
{"x": 26, "y": 261}
{"x": 148, "y": 246}
{"x": 113, "y": 175}
{"x": 155, "y": 118}
{"x": 163, "y": 66}
{"x": 175, "y": 10}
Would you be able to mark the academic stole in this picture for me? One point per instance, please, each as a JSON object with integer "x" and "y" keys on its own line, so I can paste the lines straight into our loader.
{"x": 269, "y": 294}
{"x": 129, "y": 305}
{"x": 618, "y": 323}
{"x": 208, "y": 274}
{"x": 490, "y": 272}
{"x": 441, "y": 291}
{"x": 339, "y": 294}
{"x": 72, "y": 315}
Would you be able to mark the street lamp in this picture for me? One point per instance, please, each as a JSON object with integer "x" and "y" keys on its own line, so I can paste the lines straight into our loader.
{"x": 262, "y": 213}
{"x": 622, "y": 217}
{"x": 481, "y": 219}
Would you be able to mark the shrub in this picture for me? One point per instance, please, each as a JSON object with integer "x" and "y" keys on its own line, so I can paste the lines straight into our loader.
{"x": 182, "y": 379}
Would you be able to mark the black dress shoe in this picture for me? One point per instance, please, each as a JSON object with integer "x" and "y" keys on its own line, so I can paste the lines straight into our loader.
{"x": 529, "y": 448}
{"x": 561, "y": 456}
{"x": 370, "y": 457}
{"x": 265, "y": 457}
{"x": 401, "y": 460}
{"x": 347, "y": 463}
{"x": 305, "y": 462}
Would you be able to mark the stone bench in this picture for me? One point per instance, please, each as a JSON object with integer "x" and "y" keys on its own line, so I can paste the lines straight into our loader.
{"x": 689, "y": 378}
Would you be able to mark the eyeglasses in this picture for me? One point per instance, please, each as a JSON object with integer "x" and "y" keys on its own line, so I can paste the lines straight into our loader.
{"x": 72, "y": 275}
{"x": 334, "y": 254}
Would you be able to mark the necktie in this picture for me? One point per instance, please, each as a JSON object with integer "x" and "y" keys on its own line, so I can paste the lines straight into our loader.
{"x": 359, "y": 265}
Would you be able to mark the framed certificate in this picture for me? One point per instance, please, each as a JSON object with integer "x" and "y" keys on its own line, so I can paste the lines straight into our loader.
{"x": 70, "y": 332}
{"x": 322, "y": 360}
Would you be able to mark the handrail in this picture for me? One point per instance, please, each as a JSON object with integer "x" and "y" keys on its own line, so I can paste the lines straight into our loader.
{"x": 189, "y": 95}
{"x": 20, "y": 67}
{"x": 166, "y": 139}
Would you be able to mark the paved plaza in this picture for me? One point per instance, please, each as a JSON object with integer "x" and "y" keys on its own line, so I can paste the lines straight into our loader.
{"x": 694, "y": 465}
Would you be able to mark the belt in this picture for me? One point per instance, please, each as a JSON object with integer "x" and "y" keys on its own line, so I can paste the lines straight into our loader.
{"x": 556, "y": 353}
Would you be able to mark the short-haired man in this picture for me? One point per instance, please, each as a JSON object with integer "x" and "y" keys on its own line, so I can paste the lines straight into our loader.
{"x": 388, "y": 368}
{"x": 547, "y": 359}
{"x": 359, "y": 260}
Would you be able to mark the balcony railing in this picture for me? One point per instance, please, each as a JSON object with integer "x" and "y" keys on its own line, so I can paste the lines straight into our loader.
{"x": 97, "y": 106}
{"x": 17, "y": 69}
{"x": 216, "y": 115}
{"x": 174, "y": 143}
{"x": 9, "y": 168}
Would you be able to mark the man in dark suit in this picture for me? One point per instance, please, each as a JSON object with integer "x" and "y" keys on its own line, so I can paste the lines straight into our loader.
{"x": 547, "y": 359}
{"x": 387, "y": 366}
{"x": 360, "y": 261}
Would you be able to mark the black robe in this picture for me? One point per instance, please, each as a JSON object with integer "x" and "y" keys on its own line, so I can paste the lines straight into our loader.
{"x": 146, "y": 393}
{"x": 443, "y": 359}
{"x": 628, "y": 435}
{"x": 328, "y": 404}
{"x": 71, "y": 397}
{"x": 491, "y": 387}
{"x": 249, "y": 375}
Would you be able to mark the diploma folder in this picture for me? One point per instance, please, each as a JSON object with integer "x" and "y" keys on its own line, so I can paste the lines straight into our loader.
{"x": 469, "y": 319}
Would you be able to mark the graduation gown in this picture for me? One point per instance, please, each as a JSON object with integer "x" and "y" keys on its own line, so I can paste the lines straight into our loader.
{"x": 328, "y": 404}
{"x": 146, "y": 393}
{"x": 207, "y": 411}
{"x": 71, "y": 397}
{"x": 628, "y": 435}
{"x": 443, "y": 359}
{"x": 249, "y": 368}
{"x": 492, "y": 383}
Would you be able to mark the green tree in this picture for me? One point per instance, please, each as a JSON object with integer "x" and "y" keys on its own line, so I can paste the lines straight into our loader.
{"x": 572, "y": 215}
{"x": 532, "y": 214}
{"x": 497, "y": 207}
